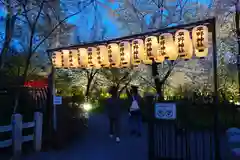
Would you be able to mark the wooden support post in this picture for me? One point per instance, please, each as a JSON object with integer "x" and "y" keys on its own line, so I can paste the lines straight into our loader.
{"x": 17, "y": 134}
{"x": 38, "y": 118}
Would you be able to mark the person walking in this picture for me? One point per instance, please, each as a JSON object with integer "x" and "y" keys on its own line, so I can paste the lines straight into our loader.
{"x": 113, "y": 106}
{"x": 135, "y": 111}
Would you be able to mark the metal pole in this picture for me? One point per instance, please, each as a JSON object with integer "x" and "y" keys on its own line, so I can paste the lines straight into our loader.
{"x": 238, "y": 40}
{"x": 50, "y": 108}
{"x": 54, "y": 106}
{"x": 215, "y": 90}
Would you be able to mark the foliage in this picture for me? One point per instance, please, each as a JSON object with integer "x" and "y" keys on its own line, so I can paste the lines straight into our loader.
{"x": 70, "y": 125}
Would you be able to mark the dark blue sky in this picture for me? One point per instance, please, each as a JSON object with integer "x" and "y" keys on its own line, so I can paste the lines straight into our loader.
{"x": 85, "y": 20}
{"x": 106, "y": 19}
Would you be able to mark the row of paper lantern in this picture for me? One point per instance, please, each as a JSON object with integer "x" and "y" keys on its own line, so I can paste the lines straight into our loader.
{"x": 138, "y": 51}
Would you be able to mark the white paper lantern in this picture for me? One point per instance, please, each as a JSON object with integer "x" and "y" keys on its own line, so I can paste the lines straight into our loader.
{"x": 114, "y": 55}
{"x": 161, "y": 53}
{"x": 57, "y": 59}
{"x": 92, "y": 58}
{"x": 65, "y": 59}
{"x": 184, "y": 44}
{"x": 200, "y": 40}
{"x": 83, "y": 57}
{"x": 73, "y": 59}
{"x": 102, "y": 56}
{"x": 151, "y": 49}
{"x": 137, "y": 52}
{"x": 125, "y": 54}
{"x": 167, "y": 47}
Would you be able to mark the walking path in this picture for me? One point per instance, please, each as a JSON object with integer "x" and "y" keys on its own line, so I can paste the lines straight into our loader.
{"x": 98, "y": 145}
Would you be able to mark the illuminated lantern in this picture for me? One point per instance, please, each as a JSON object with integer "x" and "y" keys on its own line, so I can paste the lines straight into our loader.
{"x": 200, "y": 40}
{"x": 137, "y": 52}
{"x": 82, "y": 57}
{"x": 57, "y": 59}
{"x": 125, "y": 53}
{"x": 114, "y": 55}
{"x": 184, "y": 44}
{"x": 73, "y": 58}
{"x": 65, "y": 59}
{"x": 167, "y": 47}
{"x": 102, "y": 56}
{"x": 92, "y": 58}
{"x": 151, "y": 48}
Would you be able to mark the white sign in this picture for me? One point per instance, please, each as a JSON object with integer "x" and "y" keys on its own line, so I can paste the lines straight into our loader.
{"x": 165, "y": 111}
{"x": 57, "y": 100}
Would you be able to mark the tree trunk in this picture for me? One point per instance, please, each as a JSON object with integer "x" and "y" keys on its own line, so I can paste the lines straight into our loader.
{"x": 156, "y": 78}
{"x": 9, "y": 27}
{"x": 90, "y": 79}
{"x": 159, "y": 88}
{"x": 124, "y": 87}
{"x": 160, "y": 83}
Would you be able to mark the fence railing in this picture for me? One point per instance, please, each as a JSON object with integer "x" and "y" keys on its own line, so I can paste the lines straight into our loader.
{"x": 17, "y": 127}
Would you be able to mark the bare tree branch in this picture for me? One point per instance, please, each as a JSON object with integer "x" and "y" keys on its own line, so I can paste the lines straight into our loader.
{"x": 25, "y": 14}
{"x": 60, "y": 22}
{"x": 147, "y": 81}
{"x": 33, "y": 29}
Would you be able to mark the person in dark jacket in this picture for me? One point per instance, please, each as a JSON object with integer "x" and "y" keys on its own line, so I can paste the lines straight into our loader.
{"x": 135, "y": 111}
{"x": 113, "y": 107}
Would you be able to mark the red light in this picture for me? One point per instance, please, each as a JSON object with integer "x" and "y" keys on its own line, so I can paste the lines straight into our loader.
{"x": 36, "y": 84}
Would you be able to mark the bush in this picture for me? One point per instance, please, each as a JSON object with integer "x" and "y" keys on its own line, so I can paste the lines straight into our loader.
{"x": 68, "y": 124}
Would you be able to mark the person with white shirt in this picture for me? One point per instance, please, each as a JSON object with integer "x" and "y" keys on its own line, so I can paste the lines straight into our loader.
{"x": 135, "y": 111}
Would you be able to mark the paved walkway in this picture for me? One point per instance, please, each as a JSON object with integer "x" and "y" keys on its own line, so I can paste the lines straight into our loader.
{"x": 97, "y": 145}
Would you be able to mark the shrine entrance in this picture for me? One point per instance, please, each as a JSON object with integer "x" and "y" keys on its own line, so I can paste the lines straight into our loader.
{"x": 169, "y": 138}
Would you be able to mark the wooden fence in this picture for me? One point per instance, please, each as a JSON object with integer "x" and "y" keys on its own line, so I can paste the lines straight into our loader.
{"x": 17, "y": 127}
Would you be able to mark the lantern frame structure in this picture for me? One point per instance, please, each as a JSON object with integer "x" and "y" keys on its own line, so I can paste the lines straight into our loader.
{"x": 211, "y": 24}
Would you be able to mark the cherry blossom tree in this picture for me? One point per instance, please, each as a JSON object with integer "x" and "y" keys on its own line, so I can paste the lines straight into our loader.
{"x": 88, "y": 79}
{"x": 28, "y": 18}
{"x": 140, "y": 16}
